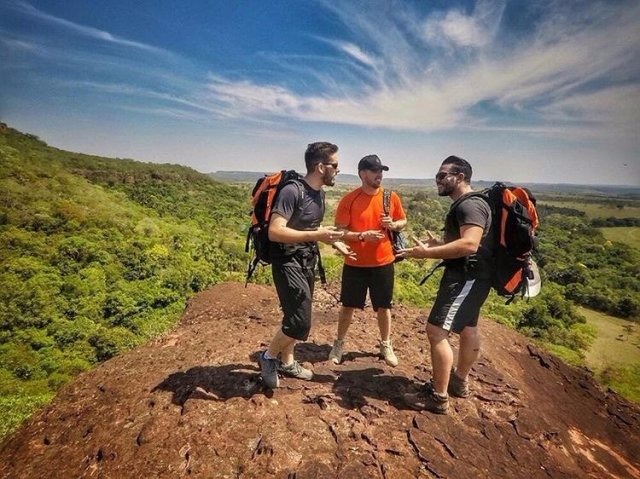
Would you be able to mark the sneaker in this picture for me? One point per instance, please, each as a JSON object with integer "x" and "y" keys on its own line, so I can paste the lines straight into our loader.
{"x": 428, "y": 400}
{"x": 295, "y": 370}
{"x": 269, "y": 371}
{"x": 458, "y": 387}
{"x": 386, "y": 351}
{"x": 337, "y": 351}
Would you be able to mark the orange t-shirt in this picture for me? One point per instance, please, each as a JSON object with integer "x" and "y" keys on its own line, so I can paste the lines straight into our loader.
{"x": 358, "y": 211}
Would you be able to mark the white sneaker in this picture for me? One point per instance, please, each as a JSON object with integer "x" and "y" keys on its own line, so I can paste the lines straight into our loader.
{"x": 335, "y": 356}
{"x": 386, "y": 351}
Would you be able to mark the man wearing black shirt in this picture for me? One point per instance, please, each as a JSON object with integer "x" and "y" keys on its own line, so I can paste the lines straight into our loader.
{"x": 466, "y": 282}
{"x": 295, "y": 228}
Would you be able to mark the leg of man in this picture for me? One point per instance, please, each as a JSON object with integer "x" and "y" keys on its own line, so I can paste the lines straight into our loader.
{"x": 441, "y": 357}
{"x": 469, "y": 351}
{"x": 345, "y": 316}
{"x": 283, "y": 345}
{"x": 294, "y": 284}
{"x": 434, "y": 396}
{"x": 386, "y": 348}
{"x": 353, "y": 293}
{"x": 381, "y": 292}
{"x": 384, "y": 323}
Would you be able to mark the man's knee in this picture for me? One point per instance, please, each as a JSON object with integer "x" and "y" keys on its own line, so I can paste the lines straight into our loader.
{"x": 470, "y": 333}
{"x": 436, "y": 333}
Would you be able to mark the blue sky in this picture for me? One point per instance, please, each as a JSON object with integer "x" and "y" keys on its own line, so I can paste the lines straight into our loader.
{"x": 531, "y": 91}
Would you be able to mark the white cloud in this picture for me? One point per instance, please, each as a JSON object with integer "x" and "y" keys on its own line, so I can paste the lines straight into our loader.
{"x": 459, "y": 29}
{"x": 456, "y": 27}
{"x": 618, "y": 106}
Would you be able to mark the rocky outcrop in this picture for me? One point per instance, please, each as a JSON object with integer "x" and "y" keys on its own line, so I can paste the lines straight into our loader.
{"x": 191, "y": 405}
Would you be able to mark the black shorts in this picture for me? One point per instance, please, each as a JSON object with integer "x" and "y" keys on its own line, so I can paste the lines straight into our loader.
{"x": 377, "y": 279}
{"x": 458, "y": 302}
{"x": 295, "y": 280}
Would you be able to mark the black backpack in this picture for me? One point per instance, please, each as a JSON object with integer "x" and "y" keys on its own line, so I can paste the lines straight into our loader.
{"x": 514, "y": 223}
{"x": 263, "y": 197}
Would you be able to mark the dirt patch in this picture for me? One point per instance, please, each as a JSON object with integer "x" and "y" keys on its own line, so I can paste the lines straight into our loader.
{"x": 192, "y": 405}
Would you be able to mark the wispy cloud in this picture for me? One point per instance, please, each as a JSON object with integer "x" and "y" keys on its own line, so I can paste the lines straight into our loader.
{"x": 393, "y": 66}
{"x": 618, "y": 106}
{"x": 355, "y": 52}
{"x": 31, "y": 12}
{"x": 418, "y": 89}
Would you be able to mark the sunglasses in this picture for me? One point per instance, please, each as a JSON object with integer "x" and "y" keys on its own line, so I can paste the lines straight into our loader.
{"x": 442, "y": 175}
{"x": 332, "y": 165}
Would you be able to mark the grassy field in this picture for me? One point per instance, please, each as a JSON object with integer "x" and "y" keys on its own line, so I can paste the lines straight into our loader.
{"x": 615, "y": 354}
{"x": 629, "y": 235}
{"x": 614, "y": 344}
{"x": 598, "y": 210}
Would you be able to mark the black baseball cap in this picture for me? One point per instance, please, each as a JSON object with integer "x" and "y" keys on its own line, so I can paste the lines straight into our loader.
{"x": 371, "y": 162}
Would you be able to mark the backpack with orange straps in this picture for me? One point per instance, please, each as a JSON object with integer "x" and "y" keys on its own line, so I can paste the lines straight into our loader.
{"x": 514, "y": 223}
{"x": 263, "y": 197}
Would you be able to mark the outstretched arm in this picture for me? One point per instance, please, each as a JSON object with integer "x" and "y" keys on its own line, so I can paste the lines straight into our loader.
{"x": 281, "y": 233}
{"x": 467, "y": 244}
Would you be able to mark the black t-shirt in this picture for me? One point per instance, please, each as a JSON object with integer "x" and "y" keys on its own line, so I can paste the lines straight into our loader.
{"x": 471, "y": 210}
{"x": 303, "y": 208}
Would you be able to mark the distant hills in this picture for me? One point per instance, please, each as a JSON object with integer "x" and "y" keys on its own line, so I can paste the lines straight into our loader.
{"x": 608, "y": 191}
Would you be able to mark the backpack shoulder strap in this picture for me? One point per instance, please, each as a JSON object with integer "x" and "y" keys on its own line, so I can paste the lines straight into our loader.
{"x": 297, "y": 180}
{"x": 473, "y": 194}
{"x": 386, "y": 201}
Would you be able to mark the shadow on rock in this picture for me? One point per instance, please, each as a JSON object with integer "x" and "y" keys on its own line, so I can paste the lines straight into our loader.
{"x": 216, "y": 383}
{"x": 312, "y": 353}
{"x": 354, "y": 387}
{"x": 355, "y": 355}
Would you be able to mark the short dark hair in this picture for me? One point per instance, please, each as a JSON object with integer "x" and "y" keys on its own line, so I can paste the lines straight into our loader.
{"x": 318, "y": 152}
{"x": 460, "y": 165}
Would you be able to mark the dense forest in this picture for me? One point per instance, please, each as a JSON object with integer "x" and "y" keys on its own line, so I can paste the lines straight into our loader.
{"x": 98, "y": 255}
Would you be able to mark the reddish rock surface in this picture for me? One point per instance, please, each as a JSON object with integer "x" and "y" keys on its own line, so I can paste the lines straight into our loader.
{"x": 191, "y": 405}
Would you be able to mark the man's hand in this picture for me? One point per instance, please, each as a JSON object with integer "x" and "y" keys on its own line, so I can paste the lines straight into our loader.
{"x": 387, "y": 222}
{"x": 372, "y": 236}
{"x": 431, "y": 240}
{"x": 344, "y": 250}
{"x": 419, "y": 251}
{"x": 328, "y": 234}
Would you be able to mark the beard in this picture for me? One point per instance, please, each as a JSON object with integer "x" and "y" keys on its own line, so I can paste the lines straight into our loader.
{"x": 329, "y": 178}
{"x": 374, "y": 183}
{"x": 444, "y": 190}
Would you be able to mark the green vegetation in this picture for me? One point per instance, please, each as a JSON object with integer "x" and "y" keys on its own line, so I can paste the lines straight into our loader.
{"x": 624, "y": 380}
{"x": 598, "y": 207}
{"x": 100, "y": 255}
{"x": 628, "y": 235}
{"x": 615, "y": 353}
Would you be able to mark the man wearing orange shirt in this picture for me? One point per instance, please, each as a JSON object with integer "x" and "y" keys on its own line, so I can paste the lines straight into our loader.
{"x": 367, "y": 228}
